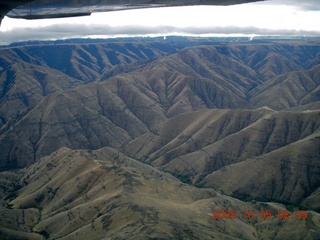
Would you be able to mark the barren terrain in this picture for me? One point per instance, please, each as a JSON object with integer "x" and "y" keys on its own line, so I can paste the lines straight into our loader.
{"x": 145, "y": 139}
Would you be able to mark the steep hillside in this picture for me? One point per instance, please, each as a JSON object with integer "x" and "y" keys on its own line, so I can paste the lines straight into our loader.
{"x": 84, "y": 61}
{"x": 123, "y": 106}
{"x": 29, "y": 73}
{"x": 240, "y": 76}
{"x": 23, "y": 86}
{"x": 270, "y": 59}
{"x": 290, "y": 174}
{"x": 105, "y": 194}
{"x": 194, "y": 146}
{"x": 134, "y": 140}
{"x": 93, "y": 116}
{"x": 289, "y": 90}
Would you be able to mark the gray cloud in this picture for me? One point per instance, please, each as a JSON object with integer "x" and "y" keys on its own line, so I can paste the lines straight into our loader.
{"x": 62, "y": 31}
{"x": 310, "y": 5}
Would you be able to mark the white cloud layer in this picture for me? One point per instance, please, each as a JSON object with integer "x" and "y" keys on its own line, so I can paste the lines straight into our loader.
{"x": 64, "y": 31}
{"x": 274, "y": 17}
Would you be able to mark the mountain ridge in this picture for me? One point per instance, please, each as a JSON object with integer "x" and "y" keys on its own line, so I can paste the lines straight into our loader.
{"x": 111, "y": 195}
{"x": 159, "y": 133}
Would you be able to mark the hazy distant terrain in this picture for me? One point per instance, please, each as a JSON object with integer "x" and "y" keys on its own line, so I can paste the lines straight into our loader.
{"x": 143, "y": 139}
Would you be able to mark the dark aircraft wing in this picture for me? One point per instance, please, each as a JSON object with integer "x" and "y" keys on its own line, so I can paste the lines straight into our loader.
{"x": 37, "y": 9}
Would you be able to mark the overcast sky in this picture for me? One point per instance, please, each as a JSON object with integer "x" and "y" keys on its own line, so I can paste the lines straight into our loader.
{"x": 273, "y": 17}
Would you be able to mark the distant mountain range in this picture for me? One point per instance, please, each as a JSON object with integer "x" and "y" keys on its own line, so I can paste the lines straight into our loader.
{"x": 87, "y": 127}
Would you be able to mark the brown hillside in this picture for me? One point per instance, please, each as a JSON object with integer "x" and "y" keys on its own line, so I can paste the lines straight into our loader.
{"x": 289, "y": 90}
{"x": 290, "y": 174}
{"x": 143, "y": 139}
{"x": 193, "y": 146}
{"x": 104, "y": 194}
{"x": 23, "y": 85}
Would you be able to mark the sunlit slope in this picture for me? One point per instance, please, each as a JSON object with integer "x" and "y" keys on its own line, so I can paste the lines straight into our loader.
{"x": 197, "y": 148}
{"x": 42, "y": 109}
{"x": 289, "y": 90}
{"x": 290, "y": 174}
{"x": 85, "y": 119}
{"x": 105, "y": 194}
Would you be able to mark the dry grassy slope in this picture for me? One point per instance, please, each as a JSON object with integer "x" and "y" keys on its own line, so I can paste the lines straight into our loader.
{"x": 307, "y": 107}
{"x": 133, "y": 104}
{"x": 269, "y": 59}
{"x": 312, "y": 201}
{"x": 208, "y": 135}
{"x": 187, "y": 81}
{"x": 205, "y": 63}
{"x": 105, "y": 194}
{"x": 257, "y": 62}
{"x": 233, "y": 77}
{"x": 178, "y": 93}
{"x": 290, "y": 173}
{"x": 28, "y": 73}
{"x": 190, "y": 132}
{"x": 84, "y": 61}
{"x": 110, "y": 113}
{"x": 195, "y": 141}
{"x": 23, "y": 85}
{"x": 269, "y": 133}
{"x": 288, "y": 90}
{"x": 123, "y": 107}
{"x": 274, "y": 64}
